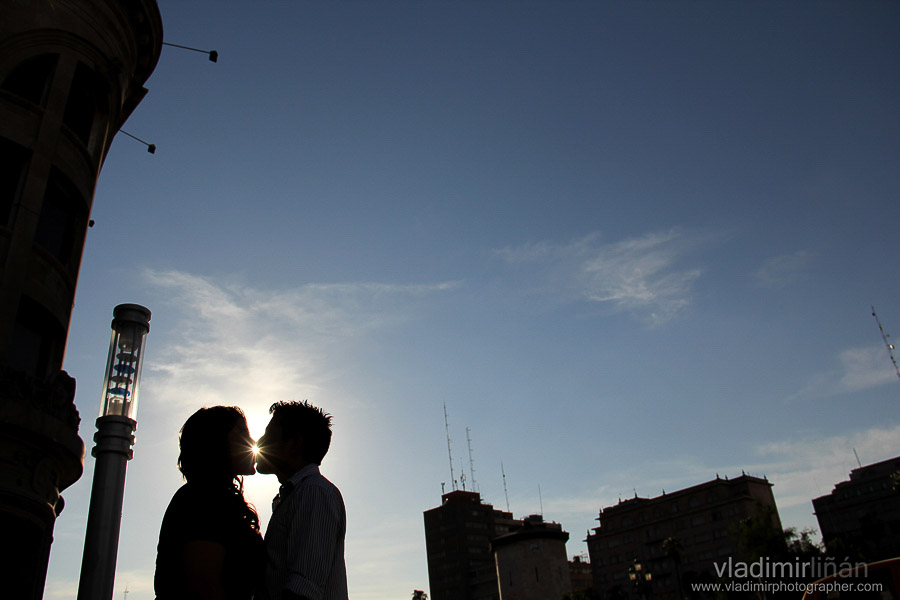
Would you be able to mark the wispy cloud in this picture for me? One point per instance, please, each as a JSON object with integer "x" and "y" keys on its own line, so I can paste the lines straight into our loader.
{"x": 644, "y": 275}
{"x": 640, "y": 275}
{"x": 864, "y": 368}
{"x": 784, "y": 269}
{"x": 856, "y": 369}
{"x": 547, "y": 251}
{"x": 235, "y": 342}
{"x": 803, "y": 469}
{"x": 800, "y": 470}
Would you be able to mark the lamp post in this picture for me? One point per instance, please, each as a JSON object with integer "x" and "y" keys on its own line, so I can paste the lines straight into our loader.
{"x": 113, "y": 450}
{"x": 640, "y": 578}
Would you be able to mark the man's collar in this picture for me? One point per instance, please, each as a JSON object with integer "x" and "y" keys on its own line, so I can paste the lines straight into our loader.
{"x": 293, "y": 481}
{"x": 310, "y": 469}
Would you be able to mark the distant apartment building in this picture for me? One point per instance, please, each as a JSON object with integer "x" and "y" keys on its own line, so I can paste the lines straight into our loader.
{"x": 862, "y": 516}
{"x": 701, "y": 518}
{"x": 469, "y": 542}
{"x": 458, "y": 536}
{"x": 531, "y": 561}
{"x": 580, "y": 574}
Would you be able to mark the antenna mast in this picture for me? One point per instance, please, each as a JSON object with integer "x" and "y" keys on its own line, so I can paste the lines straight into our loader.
{"x": 449, "y": 453}
{"x": 505, "y": 493}
{"x": 541, "y": 497}
{"x": 887, "y": 343}
{"x": 471, "y": 461}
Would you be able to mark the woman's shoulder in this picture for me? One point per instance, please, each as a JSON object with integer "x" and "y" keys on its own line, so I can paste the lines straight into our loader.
{"x": 187, "y": 495}
{"x": 184, "y": 503}
{"x": 200, "y": 500}
{"x": 202, "y": 513}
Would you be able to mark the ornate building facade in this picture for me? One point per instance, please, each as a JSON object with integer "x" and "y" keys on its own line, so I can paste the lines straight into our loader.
{"x": 702, "y": 520}
{"x": 71, "y": 72}
{"x": 861, "y": 516}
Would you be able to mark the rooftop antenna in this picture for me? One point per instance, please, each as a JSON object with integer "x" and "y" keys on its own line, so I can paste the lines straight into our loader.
{"x": 449, "y": 453}
{"x": 471, "y": 461}
{"x": 505, "y": 492}
{"x": 857, "y": 458}
{"x": 125, "y": 593}
{"x": 541, "y": 499}
{"x": 462, "y": 476}
{"x": 887, "y": 343}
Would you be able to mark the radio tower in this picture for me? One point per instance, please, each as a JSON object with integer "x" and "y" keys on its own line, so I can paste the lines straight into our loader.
{"x": 449, "y": 453}
{"x": 505, "y": 492}
{"x": 887, "y": 343}
{"x": 471, "y": 461}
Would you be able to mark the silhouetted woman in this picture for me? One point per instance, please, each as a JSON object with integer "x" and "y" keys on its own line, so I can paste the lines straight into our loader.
{"x": 210, "y": 547}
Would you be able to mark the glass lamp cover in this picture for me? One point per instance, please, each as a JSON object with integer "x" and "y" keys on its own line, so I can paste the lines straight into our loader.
{"x": 121, "y": 382}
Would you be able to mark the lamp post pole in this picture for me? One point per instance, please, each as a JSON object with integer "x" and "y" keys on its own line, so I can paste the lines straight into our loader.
{"x": 113, "y": 450}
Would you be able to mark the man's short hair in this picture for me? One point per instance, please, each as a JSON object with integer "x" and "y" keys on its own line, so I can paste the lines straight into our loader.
{"x": 309, "y": 422}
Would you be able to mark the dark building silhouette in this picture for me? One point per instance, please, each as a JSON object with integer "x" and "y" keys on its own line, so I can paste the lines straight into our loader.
{"x": 458, "y": 536}
{"x": 476, "y": 552}
{"x": 861, "y": 516}
{"x": 531, "y": 561}
{"x": 71, "y": 72}
{"x": 580, "y": 574}
{"x": 701, "y": 518}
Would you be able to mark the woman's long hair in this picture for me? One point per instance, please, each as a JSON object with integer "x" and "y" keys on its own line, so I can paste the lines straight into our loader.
{"x": 206, "y": 454}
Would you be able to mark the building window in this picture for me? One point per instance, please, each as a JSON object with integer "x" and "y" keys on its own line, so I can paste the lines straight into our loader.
{"x": 38, "y": 340}
{"x": 86, "y": 97}
{"x": 63, "y": 220}
{"x": 30, "y": 79}
{"x": 12, "y": 176}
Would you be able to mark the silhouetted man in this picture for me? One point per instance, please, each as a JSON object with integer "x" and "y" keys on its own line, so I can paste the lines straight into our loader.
{"x": 305, "y": 536}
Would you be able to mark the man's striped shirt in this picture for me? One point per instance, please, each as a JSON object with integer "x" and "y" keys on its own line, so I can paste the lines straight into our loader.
{"x": 305, "y": 539}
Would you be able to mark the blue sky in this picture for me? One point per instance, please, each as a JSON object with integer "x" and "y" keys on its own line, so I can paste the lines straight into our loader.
{"x": 630, "y": 245}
